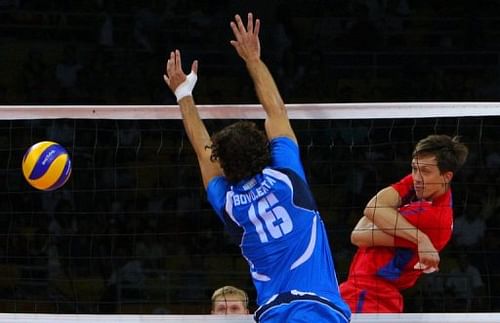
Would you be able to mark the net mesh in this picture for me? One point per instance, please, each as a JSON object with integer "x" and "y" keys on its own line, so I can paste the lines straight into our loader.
{"x": 172, "y": 318}
{"x": 131, "y": 231}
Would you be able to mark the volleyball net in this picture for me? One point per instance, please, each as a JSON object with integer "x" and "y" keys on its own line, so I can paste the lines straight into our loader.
{"x": 131, "y": 232}
{"x": 356, "y": 318}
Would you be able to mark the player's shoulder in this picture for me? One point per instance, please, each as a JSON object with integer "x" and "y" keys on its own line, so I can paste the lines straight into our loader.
{"x": 284, "y": 140}
{"x": 443, "y": 202}
{"x": 217, "y": 181}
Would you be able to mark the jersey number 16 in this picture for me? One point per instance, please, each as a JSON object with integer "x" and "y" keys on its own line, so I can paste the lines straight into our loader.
{"x": 276, "y": 219}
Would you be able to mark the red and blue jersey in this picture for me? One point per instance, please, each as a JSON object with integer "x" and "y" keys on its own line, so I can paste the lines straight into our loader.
{"x": 392, "y": 267}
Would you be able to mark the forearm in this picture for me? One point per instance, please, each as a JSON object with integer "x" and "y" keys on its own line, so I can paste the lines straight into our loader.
{"x": 247, "y": 45}
{"x": 393, "y": 223}
{"x": 367, "y": 234}
{"x": 382, "y": 210}
{"x": 277, "y": 123}
{"x": 265, "y": 87}
{"x": 194, "y": 126}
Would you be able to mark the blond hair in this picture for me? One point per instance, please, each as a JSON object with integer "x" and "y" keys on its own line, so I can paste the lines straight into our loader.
{"x": 230, "y": 290}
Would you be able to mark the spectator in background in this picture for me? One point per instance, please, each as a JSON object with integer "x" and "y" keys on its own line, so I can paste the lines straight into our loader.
{"x": 35, "y": 77}
{"x": 432, "y": 294}
{"x": 229, "y": 300}
{"x": 362, "y": 32}
{"x": 128, "y": 276}
{"x": 106, "y": 31}
{"x": 7, "y": 4}
{"x": 316, "y": 77}
{"x": 147, "y": 22}
{"x": 290, "y": 73}
{"x": 3, "y": 93}
{"x": 279, "y": 36}
{"x": 469, "y": 228}
{"x": 66, "y": 73}
{"x": 465, "y": 284}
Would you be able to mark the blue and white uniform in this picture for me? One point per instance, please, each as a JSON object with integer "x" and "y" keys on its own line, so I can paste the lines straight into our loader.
{"x": 283, "y": 239}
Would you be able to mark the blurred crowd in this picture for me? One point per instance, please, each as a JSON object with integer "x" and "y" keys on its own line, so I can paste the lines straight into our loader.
{"x": 132, "y": 231}
{"x": 113, "y": 51}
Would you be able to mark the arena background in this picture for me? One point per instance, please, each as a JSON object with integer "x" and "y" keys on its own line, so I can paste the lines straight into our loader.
{"x": 131, "y": 232}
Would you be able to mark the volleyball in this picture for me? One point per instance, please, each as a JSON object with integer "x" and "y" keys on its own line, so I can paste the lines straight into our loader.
{"x": 46, "y": 165}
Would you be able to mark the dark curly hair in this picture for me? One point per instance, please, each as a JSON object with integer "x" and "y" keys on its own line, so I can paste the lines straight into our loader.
{"x": 242, "y": 150}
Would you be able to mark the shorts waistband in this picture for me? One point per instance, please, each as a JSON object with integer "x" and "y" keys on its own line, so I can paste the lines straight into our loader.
{"x": 289, "y": 297}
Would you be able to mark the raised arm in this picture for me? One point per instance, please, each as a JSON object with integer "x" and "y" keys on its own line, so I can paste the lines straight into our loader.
{"x": 247, "y": 45}
{"x": 382, "y": 210}
{"x": 182, "y": 86}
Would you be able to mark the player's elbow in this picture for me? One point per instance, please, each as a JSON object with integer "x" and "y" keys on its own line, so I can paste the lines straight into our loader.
{"x": 358, "y": 239}
{"x": 371, "y": 207}
{"x": 369, "y": 211}
{"x": 354, "y": 239}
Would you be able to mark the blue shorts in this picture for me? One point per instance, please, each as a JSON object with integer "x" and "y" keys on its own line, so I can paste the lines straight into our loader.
{"x": 291, "y": 308}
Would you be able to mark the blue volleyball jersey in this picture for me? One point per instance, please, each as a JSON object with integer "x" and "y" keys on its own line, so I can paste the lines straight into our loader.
{"x": 275, "y": 219}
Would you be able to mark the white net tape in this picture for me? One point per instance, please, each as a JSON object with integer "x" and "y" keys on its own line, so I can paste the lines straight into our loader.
{"x": 356, "y": 318}
{"x": 251, "y": 111}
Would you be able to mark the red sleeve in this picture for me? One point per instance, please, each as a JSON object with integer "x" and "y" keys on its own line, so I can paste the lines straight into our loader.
{"x": 436, "y": 222}
{"x": 403, "y": 243}
{"x": 404, "y": 186}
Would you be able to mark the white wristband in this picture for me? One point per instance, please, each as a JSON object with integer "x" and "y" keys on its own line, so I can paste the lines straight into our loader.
{"x": 186, "y": 87}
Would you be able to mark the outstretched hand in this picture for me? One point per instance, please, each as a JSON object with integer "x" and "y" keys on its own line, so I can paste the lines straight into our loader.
{"x": 180, "y": 83}
{"x": 247, "y": 42}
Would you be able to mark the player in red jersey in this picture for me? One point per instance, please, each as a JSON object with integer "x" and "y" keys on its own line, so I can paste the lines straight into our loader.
{"x": 404, "y": 227}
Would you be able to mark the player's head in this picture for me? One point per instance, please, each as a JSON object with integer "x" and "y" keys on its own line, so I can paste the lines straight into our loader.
{"x": 229, "y": 300}
{"x": 242, "y": 150}
{"x": 436, "y": 159}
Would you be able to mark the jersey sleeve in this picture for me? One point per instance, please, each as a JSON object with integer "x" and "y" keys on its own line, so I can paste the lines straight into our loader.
{"x": 285, "y": 154}
{"x": 434, "y": 222}
{"x": 404, "y": 186}
{"x": 216, "y": 194}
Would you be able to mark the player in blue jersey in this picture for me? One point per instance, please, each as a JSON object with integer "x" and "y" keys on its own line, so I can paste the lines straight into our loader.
{"x": 256, "y": 184}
